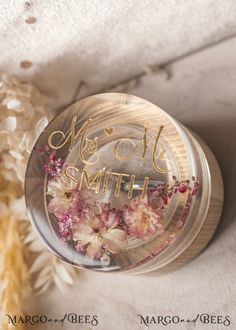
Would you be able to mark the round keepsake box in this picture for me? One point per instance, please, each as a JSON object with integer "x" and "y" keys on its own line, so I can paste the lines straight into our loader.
{"x": 114, "y": 183}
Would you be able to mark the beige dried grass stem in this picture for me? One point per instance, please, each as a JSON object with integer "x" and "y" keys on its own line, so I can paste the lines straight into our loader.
{"x": 14, "y": 279}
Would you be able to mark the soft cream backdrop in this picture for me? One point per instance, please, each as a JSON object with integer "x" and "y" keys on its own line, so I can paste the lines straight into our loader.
{"x": 102, "y": 42}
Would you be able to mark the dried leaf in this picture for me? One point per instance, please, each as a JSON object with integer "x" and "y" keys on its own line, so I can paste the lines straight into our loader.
{"x": 39, "y": 262}
{"x": 36, "y": 246}
{"x": 58, "y": 283}
{"x": 41, "y": 281}
{"x": 30, "y": 237}
{"x": 13, "y": 104}
{"x": 8, "y": 124}
{"x": 44, "y": 287}
{"x": 64, "y": 274}
{"x": 40, "y": 125}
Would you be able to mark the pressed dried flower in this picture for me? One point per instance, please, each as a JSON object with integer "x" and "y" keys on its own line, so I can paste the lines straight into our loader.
{"x": 141, "y": 220}
{"x": 64, "y": 200}
{"x": 97, "y": 233}
{"x": 53, "y": 166}
{"x": 97, "y": 228}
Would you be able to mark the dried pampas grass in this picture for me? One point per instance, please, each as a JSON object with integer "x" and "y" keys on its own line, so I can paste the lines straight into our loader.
{"x": 14, "y": 276}
{"x": 23, "y": 116}
{"x": 46, "y": 268}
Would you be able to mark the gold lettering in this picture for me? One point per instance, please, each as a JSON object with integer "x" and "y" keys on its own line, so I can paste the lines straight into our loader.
{"x": 105, "y": 183}
{"x": 145, "y": 143}
{"x": 96, "y": 179}
{"x": 71, "y": 136}
{"x": 70, "y": 176}
{"x": 154, "y": 157}
{"x": 94, "y": 182}
{"x": 132, "y": 186}
{"x": 51, "y": 145}
{"x": 86, "y": 145}
{"x": 72, "y": 132}
{"x": 119, "y": 181}
{"x": 92, "y": 146}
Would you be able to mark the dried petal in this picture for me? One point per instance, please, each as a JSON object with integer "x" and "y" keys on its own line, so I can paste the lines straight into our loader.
{"x": 8, "y": 124}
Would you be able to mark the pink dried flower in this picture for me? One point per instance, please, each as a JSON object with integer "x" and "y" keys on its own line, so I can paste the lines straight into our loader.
{"x": 141, "y": 220}
{"x": 95, "y": 231}
{"x": 156, "y": 200}
{"x": 185, "y": 212}
{"x": 183, "y": 187}
{"x": 54, "y": 165}
{"x": 64, "y": 223}
{"x": 64, "y": 200}
{"x": 42, "y": 150}
{"x": 110, "y": 216}
{"x": 195, "y": 186}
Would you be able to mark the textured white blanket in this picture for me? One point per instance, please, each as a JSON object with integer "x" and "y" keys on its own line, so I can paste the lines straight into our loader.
{"x": 102, "y": 42}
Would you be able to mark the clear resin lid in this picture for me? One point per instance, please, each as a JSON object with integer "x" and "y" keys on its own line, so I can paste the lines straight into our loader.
{"x": 115, "y": 183}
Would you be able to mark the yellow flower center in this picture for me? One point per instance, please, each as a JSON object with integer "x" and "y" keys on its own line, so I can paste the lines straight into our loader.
{"x": 145, "y": 220}
{"x": 68, "y": 194}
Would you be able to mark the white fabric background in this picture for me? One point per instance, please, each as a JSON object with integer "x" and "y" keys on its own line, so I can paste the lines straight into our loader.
{"x": 103, "y": 42}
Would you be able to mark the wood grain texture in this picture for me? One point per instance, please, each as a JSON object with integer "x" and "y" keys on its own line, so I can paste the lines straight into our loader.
{"x": 213, "y": 216}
